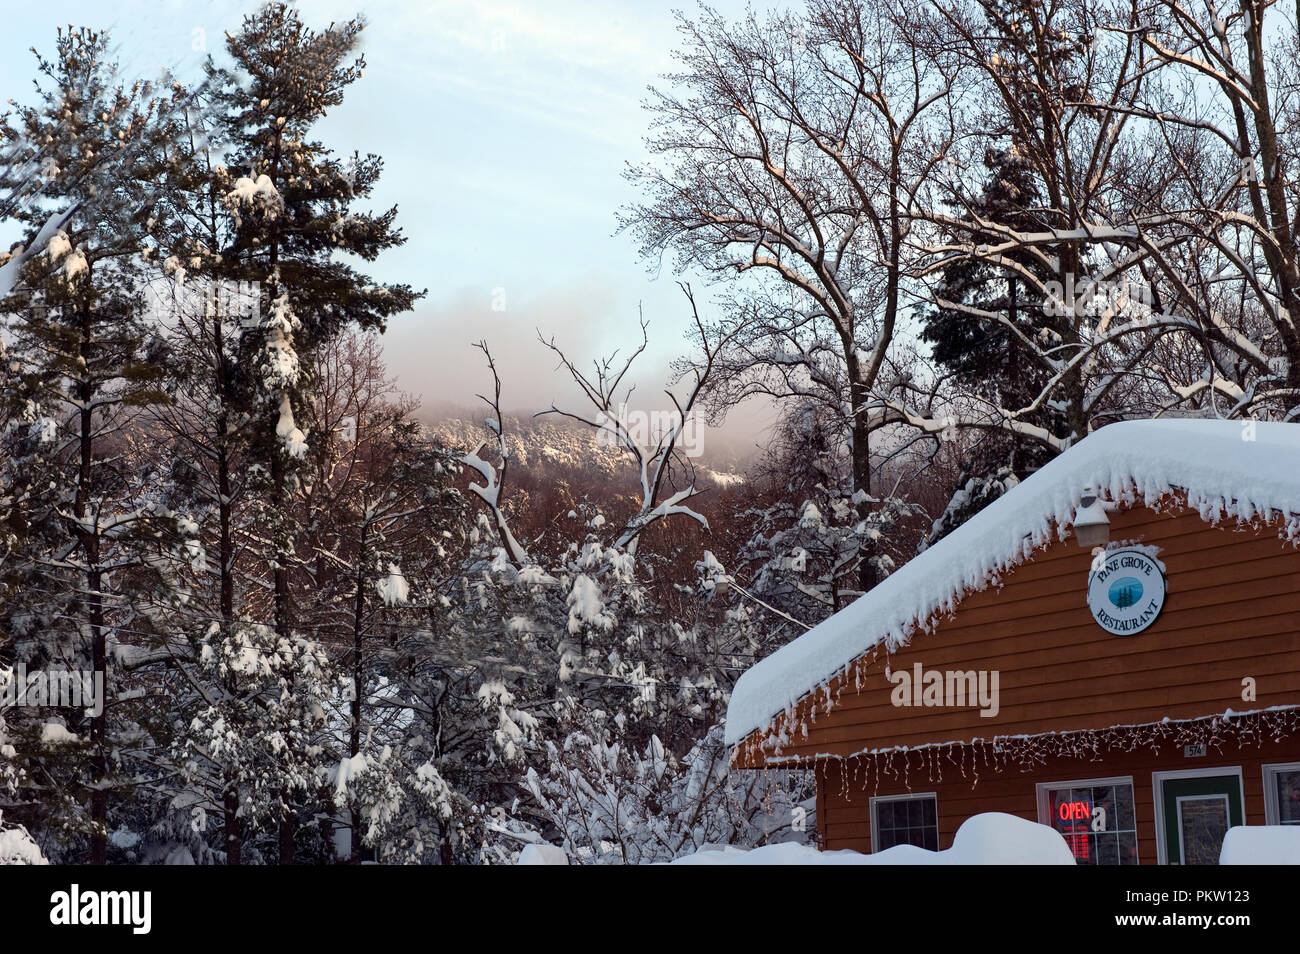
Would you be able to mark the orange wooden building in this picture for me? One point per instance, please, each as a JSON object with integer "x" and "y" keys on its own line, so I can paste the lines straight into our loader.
{"x": 1124, "y": 668}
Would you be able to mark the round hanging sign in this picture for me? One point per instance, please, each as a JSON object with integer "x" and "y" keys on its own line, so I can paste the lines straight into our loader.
{"x": 1126, "y": 591}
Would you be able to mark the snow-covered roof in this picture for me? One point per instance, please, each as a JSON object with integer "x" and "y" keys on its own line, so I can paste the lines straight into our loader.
{"x": 1234, "y": 469}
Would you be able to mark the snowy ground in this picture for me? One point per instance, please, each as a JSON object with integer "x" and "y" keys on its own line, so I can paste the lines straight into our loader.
{"x": 993, "y": 838}
{"x": 997, "y": 839}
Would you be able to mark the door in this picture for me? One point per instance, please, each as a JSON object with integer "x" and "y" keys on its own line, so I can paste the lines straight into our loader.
{"x": 1197, "y": 811}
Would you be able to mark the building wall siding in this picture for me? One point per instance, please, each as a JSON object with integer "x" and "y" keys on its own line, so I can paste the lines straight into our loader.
{"x": 1232, "y": 611}
{"x": 845, "y": 788}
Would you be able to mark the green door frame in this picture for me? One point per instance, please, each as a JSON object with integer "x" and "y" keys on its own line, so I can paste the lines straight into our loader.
{"x": 1172, "y": 785}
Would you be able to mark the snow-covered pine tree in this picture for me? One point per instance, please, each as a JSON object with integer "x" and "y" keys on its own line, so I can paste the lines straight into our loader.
{"x": 986, "y": 355}
{"x": 79, "y": 371}
{"x": 206, "y": 430}
{"x": 294, "y": 210}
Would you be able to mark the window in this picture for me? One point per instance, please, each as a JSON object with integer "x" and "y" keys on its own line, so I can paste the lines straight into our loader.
{"x": 1282, "y": 794}
{"x": 905, "y": 820}
{"x": 1094, "y": 816}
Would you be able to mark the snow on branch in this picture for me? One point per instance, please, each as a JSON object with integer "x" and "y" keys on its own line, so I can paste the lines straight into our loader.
{"x": 653, "y": 454}
{"x": 494, "y": 476}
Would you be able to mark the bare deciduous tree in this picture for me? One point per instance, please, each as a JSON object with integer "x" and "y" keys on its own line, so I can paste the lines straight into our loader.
{"x": 792, "y": 148}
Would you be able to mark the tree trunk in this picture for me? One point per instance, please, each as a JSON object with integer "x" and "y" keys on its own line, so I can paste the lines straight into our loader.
{"x": 233, "y": 838}
{"x": 861, "y": 464}
{"x": 283, "y": 626}
{"x": 94, "y": 601}
{"x": 358, "y": 676}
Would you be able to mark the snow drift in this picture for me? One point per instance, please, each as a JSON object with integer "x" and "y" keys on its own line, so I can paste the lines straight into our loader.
{"x": 1261, "y": 845}
{"x": 993, "y": 838}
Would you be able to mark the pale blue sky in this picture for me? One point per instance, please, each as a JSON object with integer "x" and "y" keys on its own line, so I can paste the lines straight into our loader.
{"x": 504, "y": 127}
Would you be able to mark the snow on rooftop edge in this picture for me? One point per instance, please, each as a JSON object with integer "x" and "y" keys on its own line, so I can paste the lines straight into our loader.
{"x": 1226, "y": 468}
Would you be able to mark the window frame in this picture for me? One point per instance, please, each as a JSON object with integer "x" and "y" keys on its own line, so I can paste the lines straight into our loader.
{"x": 1042, "y": 792}
{"x": 1273, "y": 811}
{"x": 905, "y": 797}
{"x": 1212, "y": 797}
{"x": 1211, "y": 771}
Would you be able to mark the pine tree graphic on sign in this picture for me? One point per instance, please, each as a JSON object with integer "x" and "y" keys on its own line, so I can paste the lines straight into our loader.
{"x": 1124, "y": 593}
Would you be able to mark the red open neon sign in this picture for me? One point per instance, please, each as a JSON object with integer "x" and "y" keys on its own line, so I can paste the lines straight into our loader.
{"x": 1077, "y": 817}
{"x": 1075, "y": 811}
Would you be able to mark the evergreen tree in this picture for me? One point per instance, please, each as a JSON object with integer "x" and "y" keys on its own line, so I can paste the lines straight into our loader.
{"x": 990, "y": 329}
{"x": 80, "y": 368}
{"x": 985, "y": 353}
{"x": 291, "y": 200}
{"x": 264, "y": 217}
